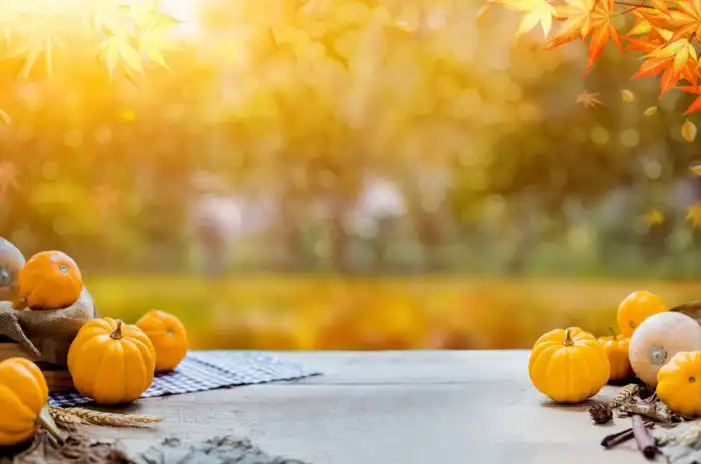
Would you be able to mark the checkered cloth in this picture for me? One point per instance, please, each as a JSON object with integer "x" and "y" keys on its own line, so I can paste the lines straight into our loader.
{"x": 209, "y": 370}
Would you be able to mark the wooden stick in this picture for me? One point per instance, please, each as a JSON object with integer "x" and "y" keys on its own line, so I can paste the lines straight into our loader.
{"x": 617, "y": 438}
{"x": 643, "y": 438}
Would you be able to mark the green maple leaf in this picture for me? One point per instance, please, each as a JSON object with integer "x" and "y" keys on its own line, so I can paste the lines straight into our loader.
{"x": 118, "y": 48}
{"x": 37, "y": 42}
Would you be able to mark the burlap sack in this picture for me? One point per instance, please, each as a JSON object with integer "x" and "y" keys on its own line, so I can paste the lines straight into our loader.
{"x": 46, "y": 335}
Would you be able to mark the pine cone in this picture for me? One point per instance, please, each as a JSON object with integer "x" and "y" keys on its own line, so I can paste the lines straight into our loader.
{"x": 601, "y": 413}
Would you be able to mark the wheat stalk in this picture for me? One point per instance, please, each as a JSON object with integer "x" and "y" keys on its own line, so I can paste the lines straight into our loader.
{"x": 70, "y": 417}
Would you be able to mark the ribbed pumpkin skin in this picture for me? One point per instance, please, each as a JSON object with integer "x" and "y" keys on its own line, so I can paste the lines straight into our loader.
{"x": 111, "y": 362}
{"x": 23, "y": 394}
{"x": 679, "y": 383}
{"x": 168, "y": 336}
{"x": 616, "y": 348}
{"x": 568, "y": 369}
{"x": 50, "y": 280}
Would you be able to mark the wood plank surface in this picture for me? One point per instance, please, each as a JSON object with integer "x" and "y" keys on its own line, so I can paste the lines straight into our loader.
{"x": 409, "y": 407}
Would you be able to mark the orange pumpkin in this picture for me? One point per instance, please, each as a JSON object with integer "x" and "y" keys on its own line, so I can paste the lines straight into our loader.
{"x": 23, "y": 399}
{"x": 616, "y": 347}
{"x": 168, "y": 336}
{"x": 49, "y": 280}
{"x": 635, "y": 308}
{"x": 11, "y": 262}
{"x": 111, "y": 362}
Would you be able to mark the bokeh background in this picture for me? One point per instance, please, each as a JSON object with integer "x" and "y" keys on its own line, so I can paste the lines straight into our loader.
{"x": 355, "y": 174}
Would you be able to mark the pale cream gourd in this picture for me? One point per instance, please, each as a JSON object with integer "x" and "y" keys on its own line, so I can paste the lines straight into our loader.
{"x": 657, "y": 339}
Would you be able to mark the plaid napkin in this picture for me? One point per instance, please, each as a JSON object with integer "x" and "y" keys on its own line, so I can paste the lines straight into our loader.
{"x": 209, "y": 370}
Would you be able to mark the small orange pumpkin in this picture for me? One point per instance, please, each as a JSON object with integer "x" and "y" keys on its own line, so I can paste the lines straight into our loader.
{"x": 616, "y": 347}
{"x": 49, "y": 280}
{"x": 11, "y": 262}
{"x": 679, "y": 383}
{"x": 635, "y": 308}
{"x": 23, "y": 399}
{"x": 569, "y": 365}
{"x": 111, "y": 362}
{"x": 168, "y": 336}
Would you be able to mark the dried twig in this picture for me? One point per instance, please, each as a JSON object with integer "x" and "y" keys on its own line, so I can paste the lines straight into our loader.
{"x": 617, "y": 438}
{"x": 645, "y": 442}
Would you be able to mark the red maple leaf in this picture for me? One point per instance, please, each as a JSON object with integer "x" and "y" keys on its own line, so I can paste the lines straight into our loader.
{"x": 582, "y": 19}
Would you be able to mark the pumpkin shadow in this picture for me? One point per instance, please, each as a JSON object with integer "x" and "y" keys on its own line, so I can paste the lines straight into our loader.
{"x": 578, "y": 407}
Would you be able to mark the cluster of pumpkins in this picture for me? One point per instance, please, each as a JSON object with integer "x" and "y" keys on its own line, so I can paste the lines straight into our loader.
{"x": 109, "y": 361}
{"x": 660, "y": 347}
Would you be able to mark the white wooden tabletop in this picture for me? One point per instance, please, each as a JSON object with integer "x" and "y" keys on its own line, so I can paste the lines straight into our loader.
{"x": 408, "y": 407}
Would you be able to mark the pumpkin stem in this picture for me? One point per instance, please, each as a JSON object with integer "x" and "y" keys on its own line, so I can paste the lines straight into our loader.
{"x": 46, "y": 421}
{"x": 117, "y": 334}
{"x": 612, "y": 332}
{"x": 568, "y": 338}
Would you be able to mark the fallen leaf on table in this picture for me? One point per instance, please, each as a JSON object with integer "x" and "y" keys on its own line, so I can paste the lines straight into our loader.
{"x": 627, "y": 96}
{"x": 213, "y": 451}
{"x": 651, "y": 111}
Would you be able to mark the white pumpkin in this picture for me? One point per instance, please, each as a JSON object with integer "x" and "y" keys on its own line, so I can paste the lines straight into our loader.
{"x": 11, "y": 262}
{"x": 657, "y": 339}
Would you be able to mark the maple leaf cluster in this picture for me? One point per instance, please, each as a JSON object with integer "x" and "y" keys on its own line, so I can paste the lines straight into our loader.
{"x": 122, "y": 34}
{"x": 667, "y": 32}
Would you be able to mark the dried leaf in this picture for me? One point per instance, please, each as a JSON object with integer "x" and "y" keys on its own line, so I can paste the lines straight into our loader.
{"x": 688, "y": 131}
{"x": 76, "y": 449}
{"x": 651, "y": 111}
{"x": 691, "y": 309}
{"x": 656, "y": 410}
{"x": 218, "y": 450}
{"x": 627, "y": 96}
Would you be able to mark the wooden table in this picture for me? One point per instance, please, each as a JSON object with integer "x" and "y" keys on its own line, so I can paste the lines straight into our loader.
{"x": 414, "y": 407}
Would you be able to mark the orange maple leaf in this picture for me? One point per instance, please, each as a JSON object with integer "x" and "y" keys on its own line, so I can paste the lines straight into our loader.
{"x": 588, "y": 100}
{"x": 684, "y": 20}
{"x": 675, "y": 59}
{"x": 696, "y": 104}
{"x": 583, "y": 18}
